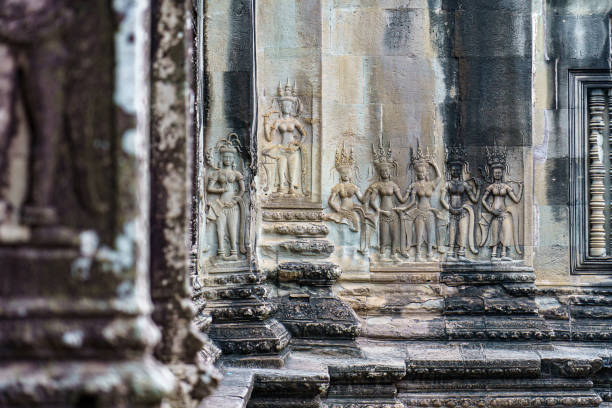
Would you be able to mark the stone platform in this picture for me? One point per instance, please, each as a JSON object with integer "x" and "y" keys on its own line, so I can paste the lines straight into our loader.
{"x": 426, "y": 374}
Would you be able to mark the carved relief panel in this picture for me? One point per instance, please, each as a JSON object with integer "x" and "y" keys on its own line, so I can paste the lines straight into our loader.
{"x": 444, "y": 213}
{"x": 289, "y": 148}
{"x": 591, "y": 172}
{"x": 228, "y": 205}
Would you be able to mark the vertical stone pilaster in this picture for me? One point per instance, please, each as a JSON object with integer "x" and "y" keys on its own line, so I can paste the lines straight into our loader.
{"x": 172, "y": 169}
{"x": 597, "y": 233}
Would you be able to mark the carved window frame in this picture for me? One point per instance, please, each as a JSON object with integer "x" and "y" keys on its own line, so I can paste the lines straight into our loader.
{"x": 583, "y": 168}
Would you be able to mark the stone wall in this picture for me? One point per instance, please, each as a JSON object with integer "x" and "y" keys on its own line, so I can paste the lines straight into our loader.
{"x": 332, "y": 203}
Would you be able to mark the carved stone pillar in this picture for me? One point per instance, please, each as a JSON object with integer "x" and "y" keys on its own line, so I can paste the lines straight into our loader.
{"x": 172, "y": 169}
{"x": 74, "y": 303}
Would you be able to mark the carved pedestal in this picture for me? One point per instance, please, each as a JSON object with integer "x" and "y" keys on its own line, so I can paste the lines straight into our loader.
{"x": 242, "y": 322}
{"x": 311, "y": 310}
{"x": 492, "y": 302}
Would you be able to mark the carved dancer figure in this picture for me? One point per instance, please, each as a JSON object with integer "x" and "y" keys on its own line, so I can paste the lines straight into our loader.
{"x": 385, "y": 189}
{"x": 344, "y": 210}
{"x": 455, "y": 199}
{"x": 228, "y": 210}
{"x": 33, "y": 59}
{"x": 500, "y": 227}
{"x": 284, "y": 161}
{"x": 419, "y": 218}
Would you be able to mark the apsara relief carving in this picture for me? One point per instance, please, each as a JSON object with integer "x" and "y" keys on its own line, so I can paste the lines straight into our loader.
{"x": 499, "y": 222}
{"x": 343, "y": 209}
{"x": 227, "y": 207}
{"x": 381, "y": 196}
{"x": 285, "y": 155}
{"x": 459, "y": 196}
{"x": 420, "y": 221}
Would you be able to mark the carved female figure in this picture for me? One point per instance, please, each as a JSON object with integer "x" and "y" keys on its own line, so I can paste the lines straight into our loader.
{"x": 455, "y": 199}
{"x": 419, "y": 218}
{"x": 500, "y": 226}
{"x": 228, "y": 210}
{"x": 287, "y": 168}
{"x": 385, "y": 190}
{"x": 341, "y": 199}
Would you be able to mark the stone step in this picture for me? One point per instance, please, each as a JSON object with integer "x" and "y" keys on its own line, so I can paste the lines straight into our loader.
{"x": 234, "y": 391}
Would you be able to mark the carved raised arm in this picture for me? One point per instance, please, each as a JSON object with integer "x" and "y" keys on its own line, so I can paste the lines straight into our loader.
{"x": 437, "y": 170}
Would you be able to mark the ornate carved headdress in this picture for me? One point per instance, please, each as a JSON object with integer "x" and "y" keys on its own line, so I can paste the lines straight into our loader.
{"x": 496, "y": 157}
{"x": 229, "y": 144}
{"x": 289, "y": 93}
{"x": 455, "y": 155}
{"x": 420, "y": 158}
{"x": 344, "y": 157}
{"x": 383, "y": 157}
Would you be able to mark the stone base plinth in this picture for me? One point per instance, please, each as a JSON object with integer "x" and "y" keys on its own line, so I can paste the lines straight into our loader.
{"x": 250, "y": 337}
{"x": 83, "y": 383}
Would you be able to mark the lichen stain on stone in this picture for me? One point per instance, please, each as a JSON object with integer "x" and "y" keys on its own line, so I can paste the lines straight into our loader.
{"x": 174, "y": 186}
{"x": 131, "y": 331}
{"x": 169, "y": 123}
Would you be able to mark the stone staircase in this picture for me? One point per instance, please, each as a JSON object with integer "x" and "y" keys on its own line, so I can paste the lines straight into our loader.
{"x": 425, "y": 374}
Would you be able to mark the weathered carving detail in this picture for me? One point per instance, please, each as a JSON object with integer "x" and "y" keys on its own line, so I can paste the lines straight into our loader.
{"x": 344, "y": 210}
{"x": 499, "y": 225}
{"x": 292, "y": 215}
{"x": 419, "y": 220}
{"x": 314, "y": 311}
{"x": 299, "y": 230}
{"x": 385, "y": 190}
{"x": 316, "y": 247}
{"x": 228, "y": 210}
{"x": 597, "y": 204}
{"x": 454, "y": 198}
{"x": 306, "y": 273}
{"x": 285, "y": 161}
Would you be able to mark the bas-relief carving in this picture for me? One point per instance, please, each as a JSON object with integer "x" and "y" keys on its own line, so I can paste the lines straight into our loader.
{"x": 341, "y": 200}
{"x": 420, "y": 222}
{"x": 285, "y": 155}
{"x": 499, "y": 223}
{"x": 459, "y": 188}
{"x": 410, "y": 227}
{"x": 380, "y": 196}
{"x": 227, "y": 207}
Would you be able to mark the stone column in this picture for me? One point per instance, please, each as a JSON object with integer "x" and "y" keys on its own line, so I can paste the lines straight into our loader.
{"x": 74, "y": 303}
{"x": 172, "y": 178}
